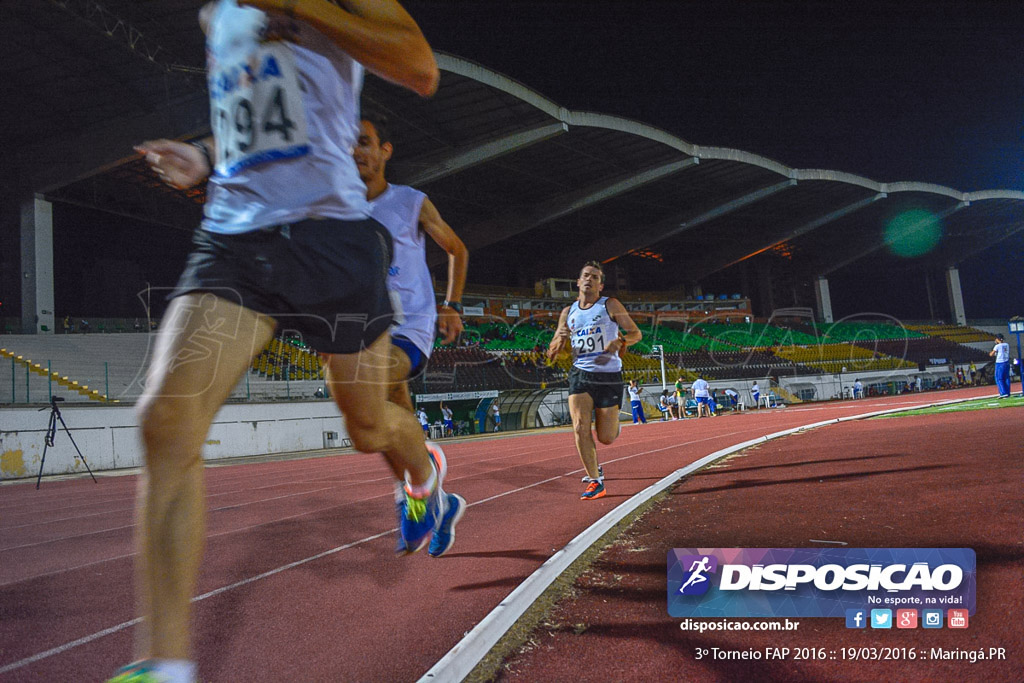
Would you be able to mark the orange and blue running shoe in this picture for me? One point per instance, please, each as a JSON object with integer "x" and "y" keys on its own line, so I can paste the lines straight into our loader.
{"x": 594, "y": 490}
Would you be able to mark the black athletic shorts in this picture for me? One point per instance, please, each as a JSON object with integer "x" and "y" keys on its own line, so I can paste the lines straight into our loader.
{"x": 325, "y": 280}
{"x": 604, "y": 387}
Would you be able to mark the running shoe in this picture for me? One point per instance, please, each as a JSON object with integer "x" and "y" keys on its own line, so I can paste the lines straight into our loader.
{"x": 444, "y": 534}
{"x": 138, "y": 672}
{"x": 595, "y": 489}
{"x": 600, "y": 475}
{"x": 418, "y": 517}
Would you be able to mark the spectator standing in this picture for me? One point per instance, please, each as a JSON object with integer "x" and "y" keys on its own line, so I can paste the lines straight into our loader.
{"x": 1001, "y": 352}
{"x": 755, "y": 392}
{"x": 447, "y": 420}
{"x": 635, "y": 403}
{"x": 701, "y": 395}
{"x": 680, "y": 394}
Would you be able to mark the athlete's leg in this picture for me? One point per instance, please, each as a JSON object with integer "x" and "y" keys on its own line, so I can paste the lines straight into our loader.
{"x": 580, "y": 407}
{"x": 359, "y": 385}
{"x": 398, "y": 390}
{"x": 607, "y": 424}
{"x": 203, "y": 347}
{"x": 398, "y": 375}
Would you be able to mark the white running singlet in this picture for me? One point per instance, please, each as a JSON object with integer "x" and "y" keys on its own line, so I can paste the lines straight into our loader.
{"x": 285, "y": 117}
{"x": 590, "y": 331}
{"x": 398, "y": 209}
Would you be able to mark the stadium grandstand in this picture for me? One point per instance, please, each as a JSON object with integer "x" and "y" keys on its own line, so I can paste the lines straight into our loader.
{"x": 727, "y": 260}
{"x": 756, "y": 240}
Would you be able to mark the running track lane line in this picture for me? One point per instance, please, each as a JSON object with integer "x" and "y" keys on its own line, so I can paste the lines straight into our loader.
{"x": 571, "y": 551}
{"x": 467, "y": 653}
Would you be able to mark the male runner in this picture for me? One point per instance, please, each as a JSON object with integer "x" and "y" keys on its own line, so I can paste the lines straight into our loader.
{"x": 410, "y": 217}
{"x": 286, "y": 238}
{"x": 594, "y": 325}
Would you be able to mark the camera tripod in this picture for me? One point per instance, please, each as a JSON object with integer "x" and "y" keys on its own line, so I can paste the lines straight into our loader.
{"x": 51, "y": 433}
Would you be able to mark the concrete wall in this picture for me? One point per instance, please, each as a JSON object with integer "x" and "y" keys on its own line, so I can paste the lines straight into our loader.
{"x": 108, "y": 436}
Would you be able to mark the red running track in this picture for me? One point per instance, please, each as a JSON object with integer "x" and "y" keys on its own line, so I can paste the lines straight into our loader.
{"x": 946, "y": 480}
{"x": 299, "y": 580}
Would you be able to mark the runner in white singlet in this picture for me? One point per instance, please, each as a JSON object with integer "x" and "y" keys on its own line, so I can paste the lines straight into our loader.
{"x": 286, "y": 237}
{"x": 410, "y": 218}
{"x": 597, "y": 328}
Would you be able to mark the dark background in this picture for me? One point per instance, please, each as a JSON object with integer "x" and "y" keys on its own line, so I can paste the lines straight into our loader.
{"x": 922, "y": 91}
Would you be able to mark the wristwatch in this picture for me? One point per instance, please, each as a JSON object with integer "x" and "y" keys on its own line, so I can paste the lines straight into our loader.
{"x": 454, "y": 305}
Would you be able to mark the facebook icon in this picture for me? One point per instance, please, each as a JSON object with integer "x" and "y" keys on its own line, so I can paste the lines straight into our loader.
{"x": 856, "y": 618}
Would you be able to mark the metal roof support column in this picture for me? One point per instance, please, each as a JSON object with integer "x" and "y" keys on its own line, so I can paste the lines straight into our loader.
{"x": 956, "y": 295}
{"x": 821, "y": 295}
{"x": 37, "y": 267}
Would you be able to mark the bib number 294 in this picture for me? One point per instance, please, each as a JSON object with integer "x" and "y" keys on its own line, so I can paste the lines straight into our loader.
{"x": 258, "y": 114}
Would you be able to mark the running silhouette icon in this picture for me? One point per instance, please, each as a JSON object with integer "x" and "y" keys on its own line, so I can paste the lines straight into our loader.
{"x": 697, "y": 582}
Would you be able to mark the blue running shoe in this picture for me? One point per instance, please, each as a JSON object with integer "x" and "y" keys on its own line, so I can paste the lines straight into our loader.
{"x": 444, "y": 534}
{"x": 137, "y": 673}
{"x": 418, "y": 517}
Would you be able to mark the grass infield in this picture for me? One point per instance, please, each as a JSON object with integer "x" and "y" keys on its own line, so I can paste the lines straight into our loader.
{"x": 1015, "y": 401}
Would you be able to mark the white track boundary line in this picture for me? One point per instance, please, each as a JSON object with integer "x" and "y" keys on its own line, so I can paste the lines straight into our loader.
{"x": 474, "y": 646}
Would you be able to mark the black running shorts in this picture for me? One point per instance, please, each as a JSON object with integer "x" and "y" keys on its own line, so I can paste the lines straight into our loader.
{"x": 604, "y": 387}
{"x": 325, "y": 280}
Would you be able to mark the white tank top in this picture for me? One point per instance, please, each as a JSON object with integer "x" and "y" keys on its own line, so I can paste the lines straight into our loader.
{"x": 398, "y": 209}
{"x": 590, "y": 331}
{"x": 285, "y": 116}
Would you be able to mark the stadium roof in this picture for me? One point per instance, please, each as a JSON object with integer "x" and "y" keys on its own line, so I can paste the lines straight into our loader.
{"x": 533, "y": 188}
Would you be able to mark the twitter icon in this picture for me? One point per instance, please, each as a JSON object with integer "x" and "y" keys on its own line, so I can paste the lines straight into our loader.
{"x": 881, "y": 618}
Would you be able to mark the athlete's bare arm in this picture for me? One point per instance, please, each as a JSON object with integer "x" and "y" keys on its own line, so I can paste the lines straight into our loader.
{"x": 561, "y": 337}
{"x": 449, "y": 321}
{"x": 378, "y": 34}
{"x": 629, "y": 333}
{"x": 179, "y": 164}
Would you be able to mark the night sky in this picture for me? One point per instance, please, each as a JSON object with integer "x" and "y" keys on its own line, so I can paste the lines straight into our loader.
{"x": 924, "y": 91}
